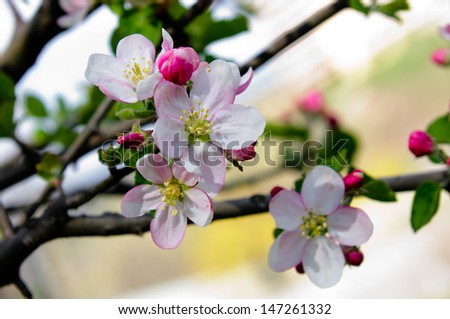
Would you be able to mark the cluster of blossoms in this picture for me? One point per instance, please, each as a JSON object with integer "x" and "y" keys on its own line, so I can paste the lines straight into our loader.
{"x": 198, "y": 128}
{"x": 441, "y": 56}
{"x": 319, "y": 235}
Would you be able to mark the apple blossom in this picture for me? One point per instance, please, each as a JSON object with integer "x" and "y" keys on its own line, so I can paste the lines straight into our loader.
{"x": 445, "y": 32}
{"x": 441, "y": 56}
{"x": 197, "y": 127}
{"x": 76, "y": 10}
{"x": 131, "y": 140}
{"x": 314, "y": 225}
{"x": 354, "y": 180}
{"x": 175, "y": 196}
{"x": 128, "y": 77}
{"x": 312, "y": 101}
{"x": 420, "y": 143}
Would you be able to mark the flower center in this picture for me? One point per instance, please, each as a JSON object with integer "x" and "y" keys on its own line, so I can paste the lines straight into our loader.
{"x": 173, "y": 192}
{"x": 314, "y": 225}
{"x": 136, "y": 72}
{"x": 196, "y": 124}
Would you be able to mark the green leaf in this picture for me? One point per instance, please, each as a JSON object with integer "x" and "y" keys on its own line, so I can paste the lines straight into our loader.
{"x": 277, "y": 232}
{"x": 359, "y": 6}
{"x": 132, "y": 111}
{"x": 109, "y": 157}
{"x": 140, "y": 180}
{"x": 425, "y": 204}
{"x": 439, "y": 129}
{"x": 298, "y": 185}
{"x": 7, "y": 100}
{"x": 392, "y": 9}
{"x": 281, "y": 130}
{"x": 378, "y": 190}
{"x": 35, "y": 107}
{"x": 50, "y": 167}
{"x": 204, "y": 30}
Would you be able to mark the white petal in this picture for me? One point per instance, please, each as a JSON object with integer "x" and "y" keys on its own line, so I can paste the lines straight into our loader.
{"x": 170, "y": 137}
{"x": 208, "y": 162}
{"x": 139, "y": 200}
{"x": 236, "y": 126}
{"x": 213, "y": 86}
{"x": 183, "y": 175}
{"x": 287, "y": 250}
{"x": 287, "y": 209}
{"x": 323, "y": 261}
{"x": 168, "y": 228}
{"x": 171, "y": 100}
{"x": 350, "y": 226}
{"x": 154, "y": 168}
{"x": 145, "y": 89}
{"x": 135, "y": 46}
{"x": 197, "y": 206}
{"x": 102, "y": 68}
{"x": 323, "y": 190}
{"x": 118, "y": 90}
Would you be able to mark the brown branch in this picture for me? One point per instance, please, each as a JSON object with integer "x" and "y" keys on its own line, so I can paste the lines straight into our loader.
{"x": 5, "y": 223}
{"x": 295, "y": 34}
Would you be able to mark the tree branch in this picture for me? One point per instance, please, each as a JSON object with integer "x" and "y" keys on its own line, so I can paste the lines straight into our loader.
{"x": 295, "y": 34}
{"x": 5, "y": 223}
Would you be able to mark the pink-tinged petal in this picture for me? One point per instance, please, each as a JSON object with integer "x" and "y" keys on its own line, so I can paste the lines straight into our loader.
{"x": 69, "y": 20}
{"x": 118, "y": 90}
{"x": 213, "y": 86}
{"x": 207, "y": 161}
{"x": 245, "y": 81}
{"x": 287, "y": 209}
{"x": 135, "y": 46}
{"x": 350, "y": 226}
{"x": 170, "y": 137}
{"x": 236, "y": 126}
{"x": 167, "y": 43}
{"x": 323, "y": 261}
{"x": 102, "y": 68}
{"x": 183, "y": 175}
{"x": 197, "y": 206}
{"x": 154, "y": 168}
{"x": 236, "y": 75}
{"x": 139, "y": 200}
{"x": 287, "y": 250}
{"x": 171, "y": 100}
{"x": 323, "y": 190}
{"x": 168, "y": 227}
{"x": 145, "y": 89}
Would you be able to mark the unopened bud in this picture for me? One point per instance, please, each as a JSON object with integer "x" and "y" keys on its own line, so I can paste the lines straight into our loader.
{"x": 441, "y": 56}
{"x": 420, "y": 143}
{"x": 313, "y": 101}
{"x": 243, "y": 154}
{"x": 354, "y": 180}
{"x": 299, "y": 268}
{"x": 131, "y": 140}
{"x": 275, "y": 191}
{"x": 177, "y": 65}
{"x": 354, "y": 257}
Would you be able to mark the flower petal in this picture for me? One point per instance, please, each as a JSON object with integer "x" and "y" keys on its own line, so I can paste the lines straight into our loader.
{"x": 154, "y": 168}
{"x": 197, "y": 206}
{"x": 139, "y": 200}
{"x": 183, "y": 175}
{"x": 236, "y": 126}
{"x": 287, "y": 209}
{"x": 213, "y": 86}
{"x": 323, "y": 190}
{"x": 287, "y": 250}
{"x": 170, "y": 137}
{"x": 167, "y": 43}
{"x": 135, "y": 46}
{"x": 323, "y": 261}
{"x": 350, "y": 226}
{"x": 245, "y": 81}
{"x": 121, "y": 91}
{"x": 145, "y": 89}
{"x": 207, "y": 161}
{"x": 102, "y": 68}
{"x": 168, "y": 228}
{"x": 171, "y": 100}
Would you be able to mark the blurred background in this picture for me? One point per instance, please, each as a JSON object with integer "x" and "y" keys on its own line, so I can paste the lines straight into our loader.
{"x": 379, "y": 82}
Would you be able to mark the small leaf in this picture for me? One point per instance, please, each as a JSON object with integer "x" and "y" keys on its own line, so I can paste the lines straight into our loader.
{"x": 439, "y": 129}
{"x": 425, "y": 204}
{"x": 109, "y": 157}
{"x": 50, "y": 167}
{"x": 359, "y": 6}
{"x": 7, "y": 100}
{"x": 298, "y": 185}
{"x": 277, "y": 232}
{"x": 286, "y": 130}
{"x": 35, "y": 107}
{"x": 126, "y": 114}
{"x": 378, "y": 190}
{"x": 392, "y": 9}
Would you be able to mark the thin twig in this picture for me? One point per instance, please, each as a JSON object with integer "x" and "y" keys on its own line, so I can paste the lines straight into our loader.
{"x": 23, "y": 288}
{"x": 295, "y": 34}
{"x": 5, "y": 223}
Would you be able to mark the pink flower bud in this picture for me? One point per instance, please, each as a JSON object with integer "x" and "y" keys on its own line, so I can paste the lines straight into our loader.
{"x": 354, "y": 257}
{"x": 332, "y": 121}
{"x": 275, "y": 191}
{"x": 299, "y": 268}
{"x": 244, "y": 154}
{"x": 445, "y": 32}
{"x": 420, "y": 143}
{"x": 177, "y": 65}
{"x": 441, "y": 56}
{"x": 131, "y": 140}
{"x": 354, "y": 180}
{"x": 313, "y": 101}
